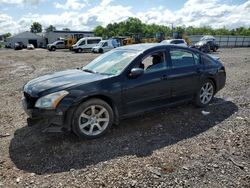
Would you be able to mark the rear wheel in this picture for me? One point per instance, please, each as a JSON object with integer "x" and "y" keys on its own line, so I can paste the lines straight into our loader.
{"x": 205, "y": 93}
{"x": 92, "y": 119}
{"x": 101, "y": 50}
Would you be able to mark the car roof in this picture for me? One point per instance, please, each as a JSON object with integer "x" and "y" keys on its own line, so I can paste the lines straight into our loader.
{"x": 140, "y": 47}
{"x": 147, "y": 46}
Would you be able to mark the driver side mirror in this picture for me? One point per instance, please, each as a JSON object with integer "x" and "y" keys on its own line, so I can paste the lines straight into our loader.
{"x": 135, "y": 72}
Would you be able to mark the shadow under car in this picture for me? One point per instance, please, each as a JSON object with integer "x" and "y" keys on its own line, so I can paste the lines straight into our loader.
{"x": 44, "y": 153}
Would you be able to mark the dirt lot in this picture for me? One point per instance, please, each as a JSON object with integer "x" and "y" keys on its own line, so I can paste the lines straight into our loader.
{"x": 177, "y": 147}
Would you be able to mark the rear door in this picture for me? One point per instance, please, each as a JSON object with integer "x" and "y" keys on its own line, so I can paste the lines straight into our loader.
{"x": 185, "y": 72}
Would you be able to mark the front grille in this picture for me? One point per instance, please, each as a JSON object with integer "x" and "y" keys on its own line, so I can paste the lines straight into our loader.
{"x": 31, "y": 101}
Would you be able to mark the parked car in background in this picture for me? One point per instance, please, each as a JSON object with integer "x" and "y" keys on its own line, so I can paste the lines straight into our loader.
{"x": 86, "y": 44}
{"x": 123, "y": 82}
{"x": 207, "y": 45}
{"x": 105, "y": 45}
{"x": 59, "y": 44}
{"x": 208, "y": 38}
{"x": 19, "y": 46}
{"x": 179, "y": 42}
{"x": 30, "y": 47}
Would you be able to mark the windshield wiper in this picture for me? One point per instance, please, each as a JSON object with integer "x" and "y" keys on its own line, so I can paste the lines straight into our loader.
{"x": 88, "y": 70}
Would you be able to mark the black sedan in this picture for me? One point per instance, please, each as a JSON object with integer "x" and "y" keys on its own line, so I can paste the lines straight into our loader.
{"x": 124, "y": 82}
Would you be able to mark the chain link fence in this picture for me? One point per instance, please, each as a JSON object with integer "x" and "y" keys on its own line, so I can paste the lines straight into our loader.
{"x": 226, "y": 40}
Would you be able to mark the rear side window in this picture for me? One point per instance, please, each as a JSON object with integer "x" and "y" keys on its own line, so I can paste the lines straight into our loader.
{"x": 182, "y": 58}
{"x": 93, "y": 41}
{"x": 208, "y": 61}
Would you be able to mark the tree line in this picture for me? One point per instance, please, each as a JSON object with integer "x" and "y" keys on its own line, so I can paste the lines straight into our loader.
{"x": 133, "y": 26}
{"x": 36, "y": 27}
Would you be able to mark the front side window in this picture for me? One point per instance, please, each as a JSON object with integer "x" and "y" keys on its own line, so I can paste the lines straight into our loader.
{"x": 112, "y": 63}
{"x": 58, "y": 43}
{"x": 105, "y": 44}
{"x": 153, "y": 62}
{"x": 82, "y": 43}
{"x": 182, "y": 58}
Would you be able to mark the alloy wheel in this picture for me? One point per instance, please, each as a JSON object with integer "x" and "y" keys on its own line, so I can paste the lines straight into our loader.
{"x": 94, "y": 120}
{"x": 206, "y": 93}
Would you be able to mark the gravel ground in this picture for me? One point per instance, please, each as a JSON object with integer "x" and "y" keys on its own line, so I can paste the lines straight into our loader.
{"x": 176, "y": 147}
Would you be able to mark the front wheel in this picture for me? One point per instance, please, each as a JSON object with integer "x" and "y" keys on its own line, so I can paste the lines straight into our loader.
{"x": 79, "y": 50}
{"x": 205, "y": 93}
{"x": 92, "y": 119}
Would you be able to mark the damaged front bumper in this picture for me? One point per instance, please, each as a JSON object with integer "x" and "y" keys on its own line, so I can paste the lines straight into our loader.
{"x": 36, "y": 114}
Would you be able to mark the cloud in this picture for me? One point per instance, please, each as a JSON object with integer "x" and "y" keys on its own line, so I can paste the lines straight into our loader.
{"x": 20, "y": 2}
{"x": 197, "y": 13}
{"x": 71, "y": 4}
{"x": 201, "y": 13}
{"x": 105, "y": 2}
{"x": 7, "y": 24}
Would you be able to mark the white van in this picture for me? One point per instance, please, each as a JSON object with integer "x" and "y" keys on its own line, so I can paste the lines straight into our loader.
{"x": 86, "y": 44}
{"x": 104, "y": 46}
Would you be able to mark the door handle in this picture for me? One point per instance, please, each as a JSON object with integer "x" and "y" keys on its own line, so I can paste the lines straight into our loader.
{"x": 198, "y": 70}
{"x": 164, "y": 77}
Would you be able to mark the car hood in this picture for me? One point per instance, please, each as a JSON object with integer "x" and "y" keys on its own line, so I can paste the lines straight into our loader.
{"x": 60, "y": 80}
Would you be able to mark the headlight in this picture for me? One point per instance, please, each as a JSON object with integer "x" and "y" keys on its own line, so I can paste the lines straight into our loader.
{"x": 51, "y": 101}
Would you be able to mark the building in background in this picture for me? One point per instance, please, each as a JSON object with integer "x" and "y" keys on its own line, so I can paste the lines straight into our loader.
{"x": 52, "y": 36}
{"x": 2, "y": 38}
{"x": 26, "y": 38}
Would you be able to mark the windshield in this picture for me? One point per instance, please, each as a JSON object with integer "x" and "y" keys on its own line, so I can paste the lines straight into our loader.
{"x": 79, "y": 41}
{"x": 101, "y": 43}
{"x": 111, "y": 63}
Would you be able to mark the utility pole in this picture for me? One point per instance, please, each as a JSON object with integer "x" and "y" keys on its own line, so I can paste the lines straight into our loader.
{"x": 172, "y": 24}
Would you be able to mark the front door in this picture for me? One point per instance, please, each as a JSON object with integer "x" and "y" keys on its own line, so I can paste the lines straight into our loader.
{"x": 149, "y": 90}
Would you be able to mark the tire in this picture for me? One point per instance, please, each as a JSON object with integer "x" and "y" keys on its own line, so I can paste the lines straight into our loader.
{"x": 215, "y": 49}
{"x": 79, "y": 50}
{"x": 208, "y": 49}
{"x": 205, "y": 93}
{"x": 53, "y": 48}
{"x": 101, "y": 50}
{"x": 88, "y": 122}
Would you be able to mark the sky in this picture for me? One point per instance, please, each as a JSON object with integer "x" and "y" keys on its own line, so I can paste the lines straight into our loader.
{"x": 18, "y": 15}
